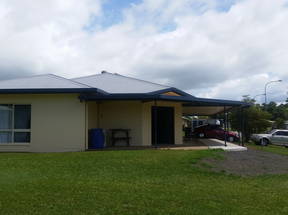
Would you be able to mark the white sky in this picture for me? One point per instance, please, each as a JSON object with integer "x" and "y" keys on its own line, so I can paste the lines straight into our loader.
{"x": 209, "y": 48}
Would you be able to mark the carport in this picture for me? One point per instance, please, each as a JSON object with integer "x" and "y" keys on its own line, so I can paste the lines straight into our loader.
{"x": 213, "y": 107}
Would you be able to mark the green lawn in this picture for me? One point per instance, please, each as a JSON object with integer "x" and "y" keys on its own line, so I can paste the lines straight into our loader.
{"x": 147, "y": 182}
{"x": 270, "y": 148}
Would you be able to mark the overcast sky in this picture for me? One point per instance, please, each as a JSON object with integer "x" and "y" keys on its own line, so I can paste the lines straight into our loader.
{"x": 209, "y": 48}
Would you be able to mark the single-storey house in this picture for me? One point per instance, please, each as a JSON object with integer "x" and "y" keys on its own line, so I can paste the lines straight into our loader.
{"x": 49, "y": 113}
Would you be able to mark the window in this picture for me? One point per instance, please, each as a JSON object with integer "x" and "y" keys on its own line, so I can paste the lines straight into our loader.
{"x": 281, "y": 133}
{"x": 15, "y": 123}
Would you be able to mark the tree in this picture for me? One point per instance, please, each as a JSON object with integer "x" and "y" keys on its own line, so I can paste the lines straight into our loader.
{"x": 256, "y": 119}
{"x": 279, "y": 113}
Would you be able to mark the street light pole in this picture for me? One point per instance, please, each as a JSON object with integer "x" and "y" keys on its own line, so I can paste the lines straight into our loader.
{"x": 265, "y": 90}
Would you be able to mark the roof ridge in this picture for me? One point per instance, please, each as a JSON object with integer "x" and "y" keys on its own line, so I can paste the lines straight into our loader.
{"x": 71, "y": 80}
{"x": 109, "y": 73}
{"x": 142, "y": 80}
{"x": 86, "y": 76}
{"x": 25, "y": 77}
{"x": 51, "y": 75}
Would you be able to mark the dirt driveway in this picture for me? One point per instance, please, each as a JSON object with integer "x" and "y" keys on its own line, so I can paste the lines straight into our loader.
{"x": 249, "y": 163}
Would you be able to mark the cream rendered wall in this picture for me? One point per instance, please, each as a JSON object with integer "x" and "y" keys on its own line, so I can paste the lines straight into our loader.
{"x": 60, "y": 122}
{"x": 118, "y": 114}
{"x": 57, "y": 122}
{"x": 93, "y": 115}
{"x": 147, "y": 118}
{"x": 134, "y": 115}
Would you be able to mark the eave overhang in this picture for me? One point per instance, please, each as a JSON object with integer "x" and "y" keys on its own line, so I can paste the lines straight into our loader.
{"x": 187, "y": 100}
{"x": 191, "y": 104}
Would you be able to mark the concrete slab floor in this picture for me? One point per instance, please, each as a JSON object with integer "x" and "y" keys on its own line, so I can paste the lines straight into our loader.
{"x": 190, "y": 144}
{"x": 220, "y": 144}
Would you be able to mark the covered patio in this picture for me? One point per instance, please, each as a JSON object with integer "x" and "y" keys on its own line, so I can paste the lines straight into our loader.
{"x": 155, "y": 120}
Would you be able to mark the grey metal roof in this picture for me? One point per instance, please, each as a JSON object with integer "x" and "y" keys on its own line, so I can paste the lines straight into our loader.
{"x": 48, "y": 81}
{"x": 115, "y": 83}
{"x": 108, "y": 86}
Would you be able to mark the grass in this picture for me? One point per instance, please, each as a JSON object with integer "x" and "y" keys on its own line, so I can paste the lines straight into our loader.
{"x": 148, "y": 182}
{"x": 270, "y": 148}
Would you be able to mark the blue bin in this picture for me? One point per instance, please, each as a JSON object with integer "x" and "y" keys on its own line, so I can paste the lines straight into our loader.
{"x": 96, "y": 138}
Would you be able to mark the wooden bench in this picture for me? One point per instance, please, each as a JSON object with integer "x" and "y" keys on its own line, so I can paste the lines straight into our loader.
{"x": 124, "y": 136}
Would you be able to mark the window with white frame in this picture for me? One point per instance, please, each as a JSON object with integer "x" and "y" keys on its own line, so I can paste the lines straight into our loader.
{"x": 15, "y": 123}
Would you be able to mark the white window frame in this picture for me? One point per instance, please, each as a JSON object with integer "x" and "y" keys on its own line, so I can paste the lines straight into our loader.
{"x": 13, "y": 130}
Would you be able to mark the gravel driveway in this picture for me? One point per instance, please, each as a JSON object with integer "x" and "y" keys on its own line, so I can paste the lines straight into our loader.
{"x": 249, "y": 163}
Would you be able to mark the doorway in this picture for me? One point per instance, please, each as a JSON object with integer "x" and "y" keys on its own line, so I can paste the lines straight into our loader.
{"x": 162, "y": 125}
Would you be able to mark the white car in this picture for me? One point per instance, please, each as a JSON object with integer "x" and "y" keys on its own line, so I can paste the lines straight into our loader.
{"x": 275, "y": 137}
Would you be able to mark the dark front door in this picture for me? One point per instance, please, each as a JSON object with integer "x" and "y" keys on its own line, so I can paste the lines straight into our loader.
{"x": 162, "y": 125}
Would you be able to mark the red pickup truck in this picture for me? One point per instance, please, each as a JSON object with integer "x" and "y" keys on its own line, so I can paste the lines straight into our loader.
{"x": 215, "y": 131}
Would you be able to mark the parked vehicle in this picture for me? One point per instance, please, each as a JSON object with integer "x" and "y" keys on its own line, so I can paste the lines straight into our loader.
{"x": 276, "y": 137}
{"x": 215, "y": 131}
